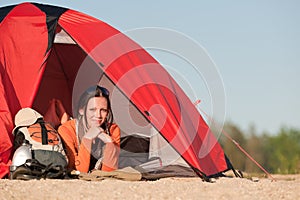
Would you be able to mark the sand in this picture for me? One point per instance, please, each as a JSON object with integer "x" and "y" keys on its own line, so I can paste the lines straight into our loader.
{"x": 285, "y": 187}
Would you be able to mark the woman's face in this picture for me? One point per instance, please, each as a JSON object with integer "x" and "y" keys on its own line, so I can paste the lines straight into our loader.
{"x": 96, "y": 111}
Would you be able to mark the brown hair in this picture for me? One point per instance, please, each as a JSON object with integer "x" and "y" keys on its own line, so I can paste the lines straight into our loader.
{"x": 95, "y": 91}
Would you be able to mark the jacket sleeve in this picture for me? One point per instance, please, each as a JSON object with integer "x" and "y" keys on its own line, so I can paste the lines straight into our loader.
{"x": 112, "y": 150}
{"x": 79, "y": 159}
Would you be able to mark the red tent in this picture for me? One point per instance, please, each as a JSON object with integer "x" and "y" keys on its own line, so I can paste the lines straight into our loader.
{"x": 52, "y": 52}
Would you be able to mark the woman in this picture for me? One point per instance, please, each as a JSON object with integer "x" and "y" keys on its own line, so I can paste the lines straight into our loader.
{"x": 91, "y": 140}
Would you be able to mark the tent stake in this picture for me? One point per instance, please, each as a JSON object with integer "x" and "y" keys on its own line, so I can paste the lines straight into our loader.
{"x": 237, "y": 145}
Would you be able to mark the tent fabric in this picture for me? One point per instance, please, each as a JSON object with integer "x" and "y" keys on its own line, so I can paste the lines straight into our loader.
{"x": 35, "y": 67}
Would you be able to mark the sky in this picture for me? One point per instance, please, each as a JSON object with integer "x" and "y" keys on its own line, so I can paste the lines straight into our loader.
{"x": 254, "y": 45}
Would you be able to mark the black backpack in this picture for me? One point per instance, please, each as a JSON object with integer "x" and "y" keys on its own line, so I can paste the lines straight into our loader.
{"x": 39, "y": 152}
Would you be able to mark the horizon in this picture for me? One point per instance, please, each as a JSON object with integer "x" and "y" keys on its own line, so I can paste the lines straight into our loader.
{"x": 254, "y": 46}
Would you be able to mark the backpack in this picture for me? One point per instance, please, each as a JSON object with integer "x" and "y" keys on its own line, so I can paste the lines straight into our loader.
{"x": 39, "y": 151}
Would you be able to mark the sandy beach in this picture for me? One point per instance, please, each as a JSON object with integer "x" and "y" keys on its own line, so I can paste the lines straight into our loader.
{"x": 285, "y": 187}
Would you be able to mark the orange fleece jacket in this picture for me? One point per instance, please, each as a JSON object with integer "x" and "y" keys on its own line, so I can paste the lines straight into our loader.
{"x": 79, "y": 158}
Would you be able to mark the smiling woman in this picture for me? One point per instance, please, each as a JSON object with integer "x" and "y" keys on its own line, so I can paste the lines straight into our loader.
{"x": 92, "y": 141}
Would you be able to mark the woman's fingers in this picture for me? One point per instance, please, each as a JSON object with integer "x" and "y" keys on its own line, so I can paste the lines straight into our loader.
{"x": 104, "y": 137}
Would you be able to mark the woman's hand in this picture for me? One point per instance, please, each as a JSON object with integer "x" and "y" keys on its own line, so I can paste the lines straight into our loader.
{"x": 95, "y": 132}
{"x": 104, "y": 137}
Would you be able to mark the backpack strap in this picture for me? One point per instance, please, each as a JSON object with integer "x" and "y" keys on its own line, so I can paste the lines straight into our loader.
{"x": 43, "y": 131}
{"x": 33, "y": 169}
{"x": 36, "y": 144}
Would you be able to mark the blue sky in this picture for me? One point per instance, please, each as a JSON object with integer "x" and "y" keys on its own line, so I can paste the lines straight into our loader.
{"x": 254, "y": 44}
